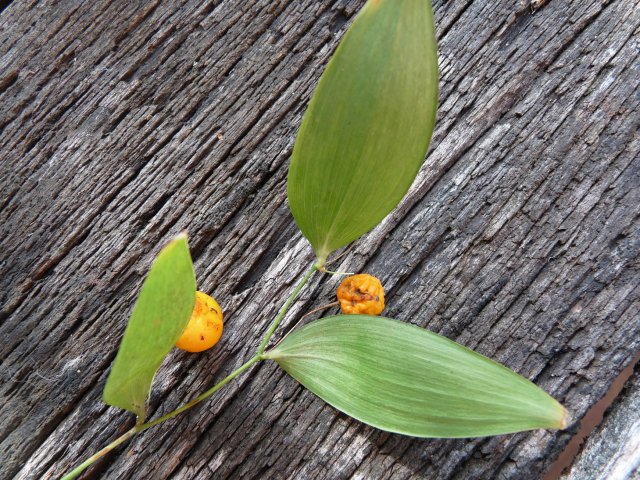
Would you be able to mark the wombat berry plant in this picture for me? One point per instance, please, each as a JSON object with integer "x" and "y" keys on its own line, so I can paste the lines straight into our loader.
{"x": 362, "y": 141}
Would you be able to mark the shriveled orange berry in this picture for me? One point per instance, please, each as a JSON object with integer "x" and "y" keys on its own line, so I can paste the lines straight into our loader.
{"x": 361, "y": 293}
{"x": 205, "y": 325}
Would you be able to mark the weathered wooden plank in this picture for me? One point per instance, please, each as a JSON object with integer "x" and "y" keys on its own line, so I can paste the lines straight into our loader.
{"x": 613, "y": 450}
{"x": 125, "y": 122}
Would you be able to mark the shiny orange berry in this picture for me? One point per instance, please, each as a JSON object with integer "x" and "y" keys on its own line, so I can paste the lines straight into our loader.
{"x": 361, "y": 293}
{"x": 205, "y": 325}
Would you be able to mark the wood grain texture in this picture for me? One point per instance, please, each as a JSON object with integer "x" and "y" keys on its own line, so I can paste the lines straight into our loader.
{"x": 613, "y": 451}
{"x": 123, "y": 123}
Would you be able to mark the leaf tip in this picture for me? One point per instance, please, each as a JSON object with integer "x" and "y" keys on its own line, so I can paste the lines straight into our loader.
{"x": 566, "y": 419}
{"x": 181, "y": 236}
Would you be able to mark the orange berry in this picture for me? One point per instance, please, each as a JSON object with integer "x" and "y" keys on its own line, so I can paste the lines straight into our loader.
{"x": 361, "y": 293}
{"x": 205, "y": 325}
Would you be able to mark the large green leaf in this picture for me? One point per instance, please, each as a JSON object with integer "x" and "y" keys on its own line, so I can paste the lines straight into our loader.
{"x": 159, "y": 316}
{"x": 366, "y": 131}
{"x": 405, "y": 379}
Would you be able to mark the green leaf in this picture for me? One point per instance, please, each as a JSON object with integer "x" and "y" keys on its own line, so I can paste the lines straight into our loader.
{"x": 366, "y": 131}
{"x": 405, "y": 379}
{"x": 159, "y": 317}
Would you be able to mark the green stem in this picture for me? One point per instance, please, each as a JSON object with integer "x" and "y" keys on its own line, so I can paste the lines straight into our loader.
{"x": 324, "y": 270}
{"x": 142, "y": 427}
{"x": 245, "y": 366}
{"x": 203, "y": 396}
{"x": 87, "y": 463}
{"x": 285, "y": 307}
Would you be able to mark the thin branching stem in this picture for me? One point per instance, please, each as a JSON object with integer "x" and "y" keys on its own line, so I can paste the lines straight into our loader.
{"x": 245, "y": 366}
{"x": 286, "y": 306}
{"x": 89, "y": 461}
{"x": 324, "y": 270}
{"x": 143, "y": 426}
{"x": 202, "y": 396}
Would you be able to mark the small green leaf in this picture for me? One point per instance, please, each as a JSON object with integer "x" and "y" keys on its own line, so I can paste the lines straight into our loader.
{"x": 405, "y": 379}
{"x": 159, "y": 316}
{"x": 366, "y": 131}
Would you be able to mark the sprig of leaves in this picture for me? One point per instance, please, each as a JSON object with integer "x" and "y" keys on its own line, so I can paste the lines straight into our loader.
{"x": 361, "y": 143}
{"x": 360, "y": 146}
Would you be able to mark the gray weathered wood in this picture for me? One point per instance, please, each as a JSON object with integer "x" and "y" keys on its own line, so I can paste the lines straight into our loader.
{"x": 613, "y": 451}
{"x": 123, "y": 123}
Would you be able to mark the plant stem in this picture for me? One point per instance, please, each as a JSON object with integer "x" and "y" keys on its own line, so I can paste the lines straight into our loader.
{"x": 245, "y": 366}
{"x": 84, "y": 465}
{"x": 324, "y": 270}
{"x": 286, "y": 306}
{"x": 202, "y": 396}
{"x": 142, "y": 427}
